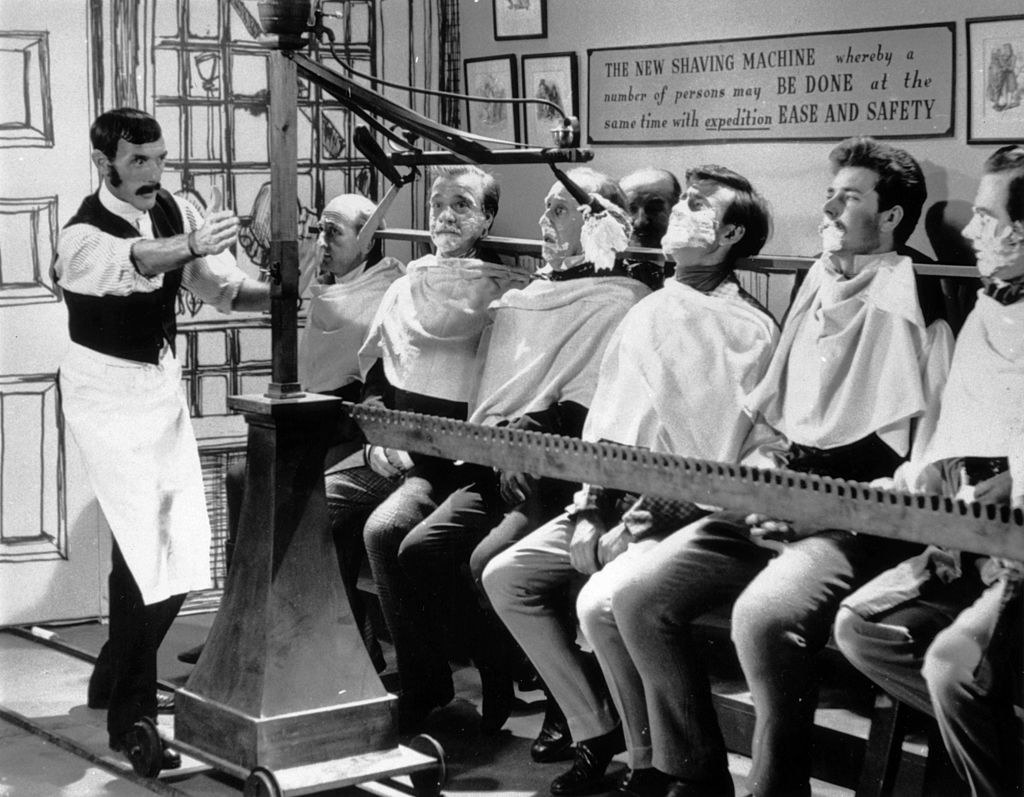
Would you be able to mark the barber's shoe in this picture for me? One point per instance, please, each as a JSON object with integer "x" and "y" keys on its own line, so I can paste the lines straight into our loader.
{"x": 591, "y": 759}
{"x": 554, "y": 742}
{"x": 644, "y": 782}
{"x": 191, "y": 656}
{"x": 718, "y": 787}
{"x": 127, "y": 745}
{"x": 415, "y": 706}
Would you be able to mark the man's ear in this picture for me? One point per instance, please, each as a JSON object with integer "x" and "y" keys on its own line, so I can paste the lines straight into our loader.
{"x": 489, "y": 220}
{"x": 733, "y": 234}
{"x": 891, "y": 218}
{"x": 102, "y": 162}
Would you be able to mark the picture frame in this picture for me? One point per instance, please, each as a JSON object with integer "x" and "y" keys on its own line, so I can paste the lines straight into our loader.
{"x": 995, "y": 83}
{"x": 551, "y": 77}
{"x": 492, "y": 76}
{"x": 520, "y": 19}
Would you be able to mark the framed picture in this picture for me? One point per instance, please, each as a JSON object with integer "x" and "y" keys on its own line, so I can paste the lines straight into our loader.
{"x": 995, "y": 85}
{"x": 492, "y": 77}
{"x": 520, "y": 19}
{"x": 551, "y": 78}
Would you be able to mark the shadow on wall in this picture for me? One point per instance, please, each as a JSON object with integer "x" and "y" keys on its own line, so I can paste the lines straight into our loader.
{"x": 943, "y": 224}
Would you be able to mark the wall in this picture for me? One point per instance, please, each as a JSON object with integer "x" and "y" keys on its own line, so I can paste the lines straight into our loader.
{"x": 793, "y": 175}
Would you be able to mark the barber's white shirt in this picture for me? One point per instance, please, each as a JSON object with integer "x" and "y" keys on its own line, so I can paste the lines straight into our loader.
{"x": 96, "y": 263}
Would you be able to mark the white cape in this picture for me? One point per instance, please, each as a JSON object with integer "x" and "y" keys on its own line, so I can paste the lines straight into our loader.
{"x": 337, "y": 322}
{"x": 428, "y": 326}
{"x": 677, "y": 371}
{"x": 853, "y": 358}
{"x": 546, "y": 343}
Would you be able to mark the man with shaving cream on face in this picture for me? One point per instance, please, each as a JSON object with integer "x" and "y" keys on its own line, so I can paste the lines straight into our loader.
{"x": 539, "y": 360}
{"x": 941, "y": 631}
{"x": 421, "y": 356}
{"x": 673, "y": 378}
{"x": 854, "y": 369}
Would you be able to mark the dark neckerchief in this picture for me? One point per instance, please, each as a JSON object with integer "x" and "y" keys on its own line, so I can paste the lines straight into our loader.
{"x": 1005, "y": 292}
{"x": 581, "y": 271}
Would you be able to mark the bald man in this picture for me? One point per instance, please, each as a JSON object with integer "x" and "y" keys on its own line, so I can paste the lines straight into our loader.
{"x": 650, "y": 196}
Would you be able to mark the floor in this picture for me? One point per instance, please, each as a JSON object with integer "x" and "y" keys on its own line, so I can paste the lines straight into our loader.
{"x": 52, "y": 744}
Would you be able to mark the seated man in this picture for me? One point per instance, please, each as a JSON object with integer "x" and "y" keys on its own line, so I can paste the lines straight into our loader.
{"x": 646, "y": 395}
{"x": 345, "y": 280}
{"x": 855, "y": 366}
{"x": 650, "y": 196}
{"x": 941, "y": 631}
{"x": 345, "y": 285}
{"x": 540, "y": 359}
{"x": 715, "y": 329}
{"x": 420, "y": 356}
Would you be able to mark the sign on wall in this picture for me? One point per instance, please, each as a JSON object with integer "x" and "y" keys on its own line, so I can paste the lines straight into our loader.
{"x": 880, "y": 82}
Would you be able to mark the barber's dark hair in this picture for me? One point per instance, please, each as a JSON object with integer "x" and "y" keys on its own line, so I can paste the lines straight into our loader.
{"x": 491, "y": 189}
{"x": 900, "y": 179}
{"x": 1010, "y": 159}
{"x": 131, "y": 124}
{"x": 595, "y": 182}
{"x": 748, "y": 208}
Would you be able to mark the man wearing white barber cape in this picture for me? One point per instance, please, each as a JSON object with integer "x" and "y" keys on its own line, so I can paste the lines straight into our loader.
{"x": 121, "y": 261}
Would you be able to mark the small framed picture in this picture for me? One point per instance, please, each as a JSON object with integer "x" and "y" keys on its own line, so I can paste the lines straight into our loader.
{"x": 995, "y": 85}
{"x": 493, "y": 77}
{"x": 551, "y": 78}
{"x": 520, "y": 19}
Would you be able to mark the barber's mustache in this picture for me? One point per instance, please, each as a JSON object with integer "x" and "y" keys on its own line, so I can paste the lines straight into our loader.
{"x": 148, "y": 189}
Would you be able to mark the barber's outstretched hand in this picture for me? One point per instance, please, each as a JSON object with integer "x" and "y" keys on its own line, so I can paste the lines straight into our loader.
{"x": 219, "y": 230}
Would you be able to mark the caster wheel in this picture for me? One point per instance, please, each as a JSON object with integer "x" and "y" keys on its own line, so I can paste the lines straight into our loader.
{"x": 428, "y": 782}
{"x": 146, "y": 751}
{"x": 261, "y": 783}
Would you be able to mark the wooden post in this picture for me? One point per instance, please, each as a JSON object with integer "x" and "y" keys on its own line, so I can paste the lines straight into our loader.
{"x": 284, "y": 680}
{"x": 284, "y": 246}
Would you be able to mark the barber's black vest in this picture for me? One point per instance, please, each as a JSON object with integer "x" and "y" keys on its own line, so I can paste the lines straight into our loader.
{"x": 133, "y": 327}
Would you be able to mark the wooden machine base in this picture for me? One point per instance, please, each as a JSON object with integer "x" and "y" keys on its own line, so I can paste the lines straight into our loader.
{"x": 284, "y": 680}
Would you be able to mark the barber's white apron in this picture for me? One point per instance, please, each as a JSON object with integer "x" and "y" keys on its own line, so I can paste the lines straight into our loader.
{"x": 131, "y": 423}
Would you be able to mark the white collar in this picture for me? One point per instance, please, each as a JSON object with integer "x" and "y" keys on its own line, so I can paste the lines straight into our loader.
{"x": 119, "y": 207}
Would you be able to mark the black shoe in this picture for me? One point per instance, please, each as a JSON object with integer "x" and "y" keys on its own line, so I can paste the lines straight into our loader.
{"x": 191, "y": 656}
{"x": 645, "y": 782}
{"x": 718, "y": 787}
{"x": 127, "y": 745}
{"x": 554, "y": 742}
{"x": 414, "y": 707}
{"x": 589, "y": 764}
{"x": 97, "y": 700}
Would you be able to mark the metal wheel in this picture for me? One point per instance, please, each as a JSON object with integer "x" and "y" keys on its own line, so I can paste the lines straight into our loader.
{"x": 146, "y": 750}
{"x": 428, "y": 782}
{"x": 261, "y": 783}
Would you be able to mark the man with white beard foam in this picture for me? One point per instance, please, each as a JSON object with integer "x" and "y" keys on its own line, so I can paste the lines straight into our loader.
{"x": 539, "y": 361}
{"x": 941, "y": 631}
{"x": 673, "y": 378}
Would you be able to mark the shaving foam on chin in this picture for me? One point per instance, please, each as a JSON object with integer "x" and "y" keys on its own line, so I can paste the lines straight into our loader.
{"x": 691, "y": 230}
{"x": 831, "y": 236}
{"x": 999, "y": 254}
